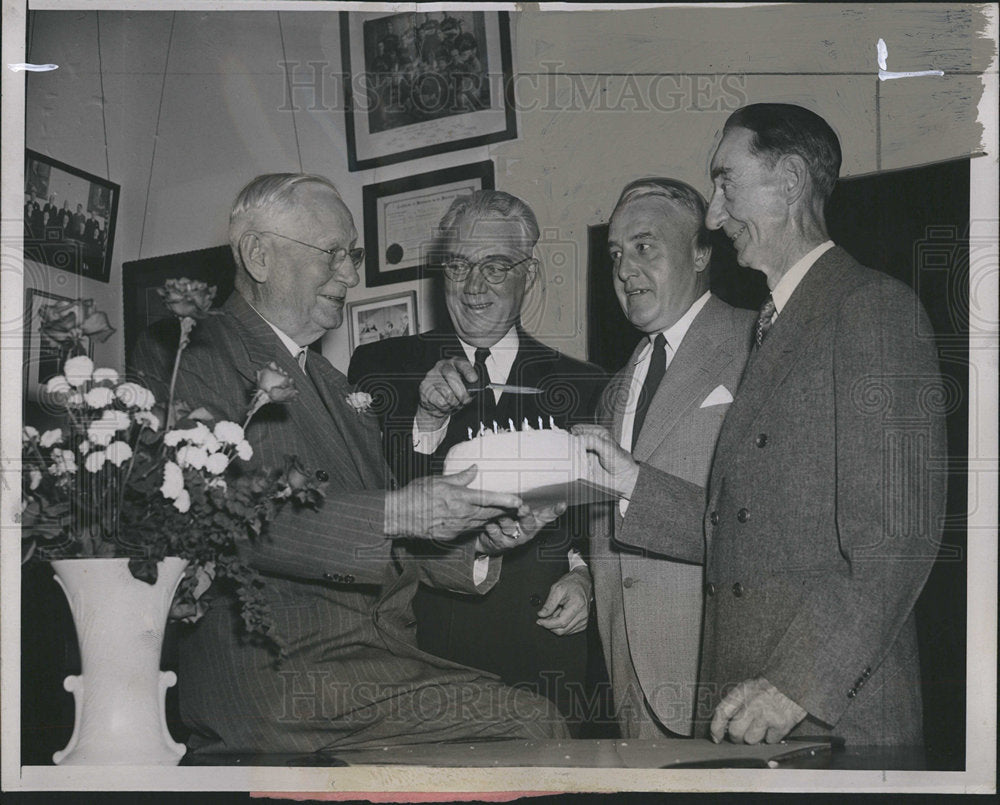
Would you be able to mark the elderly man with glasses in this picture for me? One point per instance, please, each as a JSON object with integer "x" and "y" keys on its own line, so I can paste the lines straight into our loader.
{"x": 339, "y": 579}
{"x": 430, "y": 389}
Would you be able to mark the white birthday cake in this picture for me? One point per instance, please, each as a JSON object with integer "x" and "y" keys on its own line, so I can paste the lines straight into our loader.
{"x": 539, "y": 464}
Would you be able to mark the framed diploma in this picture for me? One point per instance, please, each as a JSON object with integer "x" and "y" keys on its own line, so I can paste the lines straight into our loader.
{"x": 422, "y": 83}
{"x": 402, "y": 216}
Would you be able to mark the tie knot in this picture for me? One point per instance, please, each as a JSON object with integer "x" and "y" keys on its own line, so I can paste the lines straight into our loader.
{"x": 660, "y": 342}
{"x": 765, "y": 319}
{"x": 482, "y": 353}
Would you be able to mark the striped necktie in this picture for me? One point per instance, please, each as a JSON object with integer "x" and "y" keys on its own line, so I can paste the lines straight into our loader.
{"x": 764, "y": 320}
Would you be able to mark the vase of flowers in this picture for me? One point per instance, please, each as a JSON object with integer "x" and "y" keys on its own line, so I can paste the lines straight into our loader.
{"x": 141, "y": 505}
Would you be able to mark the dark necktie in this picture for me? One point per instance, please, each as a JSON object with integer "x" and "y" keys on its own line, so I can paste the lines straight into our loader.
{"x": 657, "y": 366}
{"x": 486, "y": 401}
{"x": 764, "y": 320}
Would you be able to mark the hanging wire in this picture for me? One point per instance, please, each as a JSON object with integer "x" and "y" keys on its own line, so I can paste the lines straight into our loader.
{"x": 288, "y": 89}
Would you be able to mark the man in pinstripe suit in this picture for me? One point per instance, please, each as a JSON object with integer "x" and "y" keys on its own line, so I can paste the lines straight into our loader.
{"x": 340, "y": 579}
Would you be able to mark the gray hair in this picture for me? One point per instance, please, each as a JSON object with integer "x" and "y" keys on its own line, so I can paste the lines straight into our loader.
{"x": 675, "y": 191}
{"x": 268, "y": 193}
{"x": 484, "y": 205}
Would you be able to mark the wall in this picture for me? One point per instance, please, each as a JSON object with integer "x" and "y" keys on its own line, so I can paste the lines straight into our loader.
{"x": 196, "y": 103}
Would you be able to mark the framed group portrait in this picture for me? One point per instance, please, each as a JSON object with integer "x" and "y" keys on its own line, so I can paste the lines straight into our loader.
{"x": 384, "y": 317}
{"x": 401, "y": 218}
{"x": 423, "y": 83}
{"x": 69, "y": 217}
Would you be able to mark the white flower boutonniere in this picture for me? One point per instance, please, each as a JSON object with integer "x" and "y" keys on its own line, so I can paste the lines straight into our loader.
{"x": 360, "y": 401}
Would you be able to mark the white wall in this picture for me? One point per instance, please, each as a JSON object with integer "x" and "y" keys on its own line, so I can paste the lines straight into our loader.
{"x": 195, "y": 104}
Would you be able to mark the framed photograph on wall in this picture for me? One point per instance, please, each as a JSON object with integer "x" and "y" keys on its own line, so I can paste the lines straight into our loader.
{"x": 422, "y": 83}
{"x": 69, "y": 217}
{"x": 43, "y": 359}
{"x": 384, "y": 317}
{"x": 402, "y": 215}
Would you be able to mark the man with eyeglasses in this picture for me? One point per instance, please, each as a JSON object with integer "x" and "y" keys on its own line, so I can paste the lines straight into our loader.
{"x": 339, "y": 579}
{"x": 431, "y": 389}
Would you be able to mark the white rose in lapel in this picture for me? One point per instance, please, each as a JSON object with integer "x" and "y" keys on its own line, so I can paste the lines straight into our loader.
{"x": 360, "y": 401}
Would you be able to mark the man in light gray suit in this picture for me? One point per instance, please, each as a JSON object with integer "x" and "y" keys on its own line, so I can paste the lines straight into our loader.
{"x": 665, "y": 406}
{"x": 824, "y": 506}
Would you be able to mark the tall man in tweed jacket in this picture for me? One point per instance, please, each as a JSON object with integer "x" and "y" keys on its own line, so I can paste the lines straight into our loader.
{"x": 340, "y": 579}
{"x": 665, "y": 406}
{"x": 824, "y": 508}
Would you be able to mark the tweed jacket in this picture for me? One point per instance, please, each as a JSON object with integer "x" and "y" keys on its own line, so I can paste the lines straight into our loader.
{"x": 495, "y": 631}
{"x": 339, "y": 591}
{"x": 825, "y": 511}
{"x": 649, "y": 607}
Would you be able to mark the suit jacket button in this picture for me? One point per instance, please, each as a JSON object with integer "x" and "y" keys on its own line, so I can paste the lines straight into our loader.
{"x": 866, "y": 673}
{"x": 628, "y": 581}
{"x": 738, "y": 590}
{"x": 713, "y": 518}
{"x": 535, "y": 600}
{"x": 328, "y": 577}
{"x": 322, "y": 476}
{"x": 761, "y": 440}
{"x": 743, "y": 515}
{"x": 709, "y": 589}
{"x": 851, "y": 693}
{"x": 348, "y": 579}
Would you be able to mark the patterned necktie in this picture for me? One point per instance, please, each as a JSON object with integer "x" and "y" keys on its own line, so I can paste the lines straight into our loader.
{"x": 657, "y": 366}
{"x": 764, "y": 320}
{"x": 486, "y": 400}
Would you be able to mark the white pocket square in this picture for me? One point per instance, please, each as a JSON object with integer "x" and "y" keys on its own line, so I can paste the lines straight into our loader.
{"x": 720, "y": 396}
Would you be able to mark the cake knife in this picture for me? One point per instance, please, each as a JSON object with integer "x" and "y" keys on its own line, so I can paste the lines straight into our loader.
{"x": 503, "y": 387}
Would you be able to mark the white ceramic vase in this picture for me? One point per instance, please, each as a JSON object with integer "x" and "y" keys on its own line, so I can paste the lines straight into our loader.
{"x": 120, "y": 695}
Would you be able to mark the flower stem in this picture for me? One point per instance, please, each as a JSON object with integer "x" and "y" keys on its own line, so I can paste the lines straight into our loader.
{"x": 187, "y": 323}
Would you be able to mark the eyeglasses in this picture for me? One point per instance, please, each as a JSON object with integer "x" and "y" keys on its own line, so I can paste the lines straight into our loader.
{"x": 337, "y": 255}
{"x": 494, "y": 269}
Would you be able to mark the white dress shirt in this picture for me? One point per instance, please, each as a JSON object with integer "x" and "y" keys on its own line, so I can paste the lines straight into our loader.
{"x": 673, "y": 335}
{"x": 297, "y": 350}
{"x": 788, "y": 283}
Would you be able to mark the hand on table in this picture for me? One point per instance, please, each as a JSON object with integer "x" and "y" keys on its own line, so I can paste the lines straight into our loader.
{"x": 609, "y": 465}
{"x": 567, "y": 608}
{"x": 755, "y": 711}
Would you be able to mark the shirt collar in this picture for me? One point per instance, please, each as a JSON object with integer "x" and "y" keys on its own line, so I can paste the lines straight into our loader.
{"x": 502, "y": 355}
{"x": 790, "y": 281}
{"x": 675, "y": 333}
{"x": 284, "y": 337}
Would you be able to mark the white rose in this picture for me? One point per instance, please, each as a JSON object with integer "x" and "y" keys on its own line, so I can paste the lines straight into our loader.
{"x": 84, "y": 447}
{"x": 244, "y": 450}
{"x": 183, "y": 501}
{"x": 189, "y": 456}
{"x": 51, "y": 437}
{"x": 95, "y": 461}
{"x": 28, "y": 433}
{"x": 58, "y": 385}
{"x": 105, "y": 376}
{"x": 78, "y": 370}
{"x": 118, "y": 453}
{"x": 99, "y": 397}
{"x": 173, "y": 481}
{"x": 135, "y": 396}
{"x": 217, "y": 463}
{"x": 147, "y": 418}
{"x": 229, "y": 432}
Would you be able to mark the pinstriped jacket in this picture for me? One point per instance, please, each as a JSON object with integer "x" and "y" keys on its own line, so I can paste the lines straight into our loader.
{"x": 339, "y": 591}
{"x": 824, "y": 512}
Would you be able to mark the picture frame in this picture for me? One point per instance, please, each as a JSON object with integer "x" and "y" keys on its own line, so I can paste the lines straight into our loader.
{"x": 401, "y": 218}
{"x": 79, "y": 234}
{"x": 383, "y": 317}
{"x": 423, "y": 83}
{"x": 43, "y": 359}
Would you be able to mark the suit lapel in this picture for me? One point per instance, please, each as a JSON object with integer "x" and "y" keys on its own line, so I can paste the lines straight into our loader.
{"x": 321, "y": 414}
{"x": 799, "y": 323}
{"x": 689, "y": 378}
